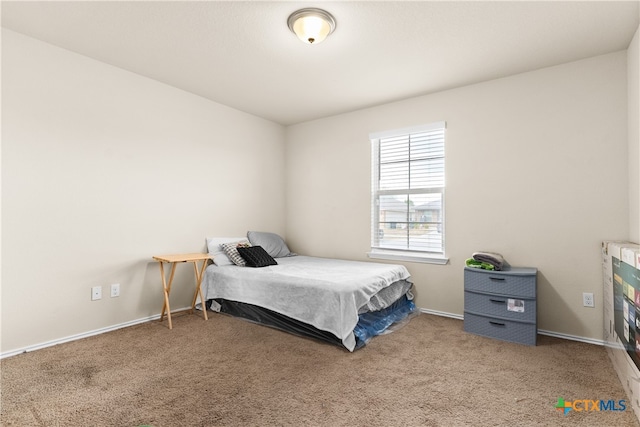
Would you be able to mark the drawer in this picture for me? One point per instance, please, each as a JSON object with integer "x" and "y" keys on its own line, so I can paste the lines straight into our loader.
{"x": 506, "y": 330}
{"x": 523, "y": 310}
{"x": 504, "y": 283}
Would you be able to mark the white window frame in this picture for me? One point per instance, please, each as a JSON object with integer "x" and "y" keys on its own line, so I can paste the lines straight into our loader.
{"x": 377, "y": 252}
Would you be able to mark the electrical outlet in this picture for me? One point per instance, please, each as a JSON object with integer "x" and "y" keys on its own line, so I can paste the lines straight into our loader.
{"x": 587, "y": 299}
{"x": 115, "y": 290}
{"x": 96, "y": 293}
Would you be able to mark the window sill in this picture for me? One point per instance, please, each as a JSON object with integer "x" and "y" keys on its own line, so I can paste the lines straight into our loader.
{"x": 408, "y": 256}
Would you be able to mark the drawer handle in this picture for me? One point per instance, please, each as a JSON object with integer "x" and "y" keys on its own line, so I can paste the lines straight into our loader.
{"x": 496, "y": 323}
{"x": 497, "y": 301}
{"x": 496, "y": 278}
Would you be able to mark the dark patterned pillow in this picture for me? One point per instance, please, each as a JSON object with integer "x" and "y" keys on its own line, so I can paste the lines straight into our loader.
{"x": 256, "y": 256}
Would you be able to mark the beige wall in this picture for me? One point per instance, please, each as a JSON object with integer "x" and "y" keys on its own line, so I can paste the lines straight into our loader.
{"x": 101, "y": 170}
{"x": 536, "y": 170}
{"x": 633, "y": 113}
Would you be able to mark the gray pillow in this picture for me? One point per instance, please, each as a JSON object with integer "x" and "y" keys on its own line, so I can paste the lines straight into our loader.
{"x": 271, "y": 242}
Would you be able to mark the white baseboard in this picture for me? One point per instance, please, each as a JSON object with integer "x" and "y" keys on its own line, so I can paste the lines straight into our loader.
{"x": 540, "y": 331}
{"x": 83, "y": 335}
{"x": 442, "y": 313}
{"x": 571, "y": 337}
{"x": 157, "y": 316}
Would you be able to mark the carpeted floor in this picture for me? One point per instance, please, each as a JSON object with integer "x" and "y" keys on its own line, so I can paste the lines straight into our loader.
{"x": 228, "y": 372}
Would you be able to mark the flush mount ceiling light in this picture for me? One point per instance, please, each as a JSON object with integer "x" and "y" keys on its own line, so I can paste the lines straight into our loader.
{"x": 311, "y": 25}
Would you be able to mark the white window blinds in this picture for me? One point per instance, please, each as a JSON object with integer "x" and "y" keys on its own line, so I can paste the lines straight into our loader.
{"x": 408, "y": 189}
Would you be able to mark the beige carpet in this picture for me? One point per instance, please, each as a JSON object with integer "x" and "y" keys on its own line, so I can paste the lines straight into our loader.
{"x": 228, "y": 372}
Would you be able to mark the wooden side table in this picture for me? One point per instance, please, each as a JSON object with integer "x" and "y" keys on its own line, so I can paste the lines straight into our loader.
{"x": 166, "y": 285}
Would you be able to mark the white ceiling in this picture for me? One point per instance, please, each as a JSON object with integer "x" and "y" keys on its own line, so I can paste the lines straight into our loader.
{"x": 243, "y": 55}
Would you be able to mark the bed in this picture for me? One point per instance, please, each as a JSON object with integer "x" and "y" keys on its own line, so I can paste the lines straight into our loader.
{"x": 338, "y": 301}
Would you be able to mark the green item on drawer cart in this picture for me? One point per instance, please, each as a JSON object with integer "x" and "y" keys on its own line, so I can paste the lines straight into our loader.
{"x": 478, "y": 264}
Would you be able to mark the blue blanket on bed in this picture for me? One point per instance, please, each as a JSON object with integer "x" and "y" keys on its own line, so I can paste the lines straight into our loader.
{"x": 375, "y": 323}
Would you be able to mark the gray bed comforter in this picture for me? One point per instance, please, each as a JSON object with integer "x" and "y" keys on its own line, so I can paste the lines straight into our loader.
{"x": 326, "y": 293}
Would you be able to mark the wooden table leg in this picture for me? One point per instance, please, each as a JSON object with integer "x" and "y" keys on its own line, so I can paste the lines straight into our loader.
{"x": 199, "y": 276}
{"x": 167, "y": 290}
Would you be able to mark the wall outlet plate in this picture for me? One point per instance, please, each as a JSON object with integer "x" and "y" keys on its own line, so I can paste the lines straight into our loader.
{"x": 587, "y": 299}
{"x": 96, "y": 293}
{"x": 115, "y": 290}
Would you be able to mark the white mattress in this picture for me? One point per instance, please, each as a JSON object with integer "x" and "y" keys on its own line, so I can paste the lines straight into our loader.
{"x": 326, "y": 293}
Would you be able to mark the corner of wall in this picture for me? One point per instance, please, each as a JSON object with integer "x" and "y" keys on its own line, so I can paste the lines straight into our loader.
{"x": 633, "y": 135}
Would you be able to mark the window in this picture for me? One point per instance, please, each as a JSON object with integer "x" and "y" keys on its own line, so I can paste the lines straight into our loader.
{"x": 408, "y": 194}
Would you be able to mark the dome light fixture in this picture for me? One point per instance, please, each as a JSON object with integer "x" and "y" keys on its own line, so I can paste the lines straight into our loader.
{"x": 311, "y": 25}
